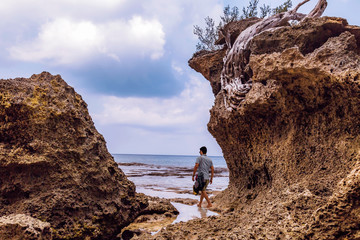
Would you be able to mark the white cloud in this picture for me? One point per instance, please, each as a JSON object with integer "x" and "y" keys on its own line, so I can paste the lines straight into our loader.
{"x": 73, "y": 32}
{"x": 94, "y": 3}
{"x": 58, "y": 8}
{"x": 177, "y": 68}
{"x": 134, "y": 37}
{"x": 157, "y": 126}
{"x": 189, "y": 110}
{"x": 62, "y": 41}
{"x": 66, "y": 41}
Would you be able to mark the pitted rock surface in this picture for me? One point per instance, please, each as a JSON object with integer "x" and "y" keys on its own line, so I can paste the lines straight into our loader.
{"x": 54, "y": 165}
{"x": 291, "y": 140}
{"x": 21, "y": 226}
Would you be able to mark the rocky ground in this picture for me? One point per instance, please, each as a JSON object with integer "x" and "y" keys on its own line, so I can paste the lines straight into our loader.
{"x": 21, "y": 226}
{"x": 158, "y": 214}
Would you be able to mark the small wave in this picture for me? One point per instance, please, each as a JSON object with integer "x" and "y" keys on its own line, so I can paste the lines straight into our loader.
{"x": 133, "y": 164}
{"x": 171, "y": 168}
{"x": 140, "y": 170}
{"x": 168, "y": 176}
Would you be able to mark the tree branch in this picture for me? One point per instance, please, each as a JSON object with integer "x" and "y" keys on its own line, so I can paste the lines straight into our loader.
{"x": 234, "y": 80}
{"x": 298, "y": 6}
{"x": 318, "y": 9}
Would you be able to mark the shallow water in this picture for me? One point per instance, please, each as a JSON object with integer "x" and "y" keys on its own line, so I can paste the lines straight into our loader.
{"x": 191, "y": 212}
{"x": 170, "y": 177}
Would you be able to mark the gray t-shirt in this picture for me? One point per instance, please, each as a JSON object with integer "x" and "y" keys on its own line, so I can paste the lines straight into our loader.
{"x": 205, "y": 163}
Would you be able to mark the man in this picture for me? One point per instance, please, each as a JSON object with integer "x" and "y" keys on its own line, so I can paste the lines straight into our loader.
{"x": 202, "y": 166}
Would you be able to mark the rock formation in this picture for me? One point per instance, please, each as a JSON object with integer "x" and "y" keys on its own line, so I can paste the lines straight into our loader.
{"x": 290, "y": 133}
{"x": 54, "y": 165}
{"x": 158, "y": 214}
{"x": 20, "y": 226}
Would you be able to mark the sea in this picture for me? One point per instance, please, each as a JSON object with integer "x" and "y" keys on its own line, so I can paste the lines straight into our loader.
{"x": 169, "y": 176}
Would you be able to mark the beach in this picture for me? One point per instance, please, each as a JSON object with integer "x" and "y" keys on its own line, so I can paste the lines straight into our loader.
{"x": 169, "y": 176}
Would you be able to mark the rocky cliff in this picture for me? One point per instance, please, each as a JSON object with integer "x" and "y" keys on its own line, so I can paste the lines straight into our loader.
{"x": 54, "y": 165}
{"x": 287, "y": 117}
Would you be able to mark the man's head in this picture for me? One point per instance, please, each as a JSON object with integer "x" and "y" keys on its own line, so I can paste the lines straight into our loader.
{"x": 203, "y": 150}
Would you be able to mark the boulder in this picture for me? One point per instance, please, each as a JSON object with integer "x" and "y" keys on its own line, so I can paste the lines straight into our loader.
{"x": 54, "y": 165}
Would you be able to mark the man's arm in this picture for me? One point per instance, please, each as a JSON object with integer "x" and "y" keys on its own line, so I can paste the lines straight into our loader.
{"x": 212, "y": 174}
{"x": 195, "y": 169}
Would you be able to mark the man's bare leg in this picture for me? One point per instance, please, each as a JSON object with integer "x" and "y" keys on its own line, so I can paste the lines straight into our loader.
{"x": 207, "y": 199}
{"x": 204, "y": 195}
{"x": 201, "y": 199}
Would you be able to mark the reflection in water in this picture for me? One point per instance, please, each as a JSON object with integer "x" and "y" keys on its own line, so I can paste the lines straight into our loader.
{"x": 187, "y": 212}
{"x": 169, "y": 177}
{"x": 203, "y": 212}
{"x": 170, "y": 181}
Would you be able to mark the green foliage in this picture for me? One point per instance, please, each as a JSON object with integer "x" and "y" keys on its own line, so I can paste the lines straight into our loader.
{"x": 229, "y": 15}
{"x": 265, "y": 10}
{"x": 208, "y": 36}
{"x": 283, "y": 7}
{"x": 251, "y": 10}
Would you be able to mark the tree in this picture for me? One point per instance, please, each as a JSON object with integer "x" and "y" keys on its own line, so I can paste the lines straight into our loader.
{"x": 208, "y": 36}
{"x": 283, "y": 7}
{"x": 235, "y": 79}
{"x": 250, "y": 10}
{"x": 265, "y": 10}
{"x": 229, "y": 16}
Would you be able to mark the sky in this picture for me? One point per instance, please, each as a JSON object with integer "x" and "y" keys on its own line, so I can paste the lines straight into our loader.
{"x": 129, "y": 61}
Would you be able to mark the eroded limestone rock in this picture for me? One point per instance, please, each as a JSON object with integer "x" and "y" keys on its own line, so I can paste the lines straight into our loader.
{"x": 157, "y": 215}
{"x": 55, "y": 166}
{"x": 291, "y": 140}
{"x": 21, "y": 226}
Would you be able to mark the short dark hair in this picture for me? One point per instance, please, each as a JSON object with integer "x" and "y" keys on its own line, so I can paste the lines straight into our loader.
{"x": 203, "y": 149}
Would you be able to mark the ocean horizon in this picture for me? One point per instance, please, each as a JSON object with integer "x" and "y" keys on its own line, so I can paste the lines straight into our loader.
{"x": 169, "y": 176}
{"x": 165, "y": 159}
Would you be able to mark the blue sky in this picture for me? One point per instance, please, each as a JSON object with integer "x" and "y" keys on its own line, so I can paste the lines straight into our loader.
{"x": 128, "y": 60}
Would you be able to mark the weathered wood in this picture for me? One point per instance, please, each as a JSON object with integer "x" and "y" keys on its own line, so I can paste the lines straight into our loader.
{"x": 318, "y": 10}
{"x": 299, "y": 5}
{"x": 234, "y": 79}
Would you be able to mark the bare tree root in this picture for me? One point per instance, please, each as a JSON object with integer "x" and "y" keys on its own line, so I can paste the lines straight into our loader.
{"x": 235, "y": 81}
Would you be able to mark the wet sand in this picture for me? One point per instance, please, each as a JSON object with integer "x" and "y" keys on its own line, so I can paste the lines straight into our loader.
{"x": 174, "y": 183}
{"x": 187, "y": 212}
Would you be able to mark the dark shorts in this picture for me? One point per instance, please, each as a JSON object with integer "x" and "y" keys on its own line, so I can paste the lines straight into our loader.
{"x": 205, "y": 185}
